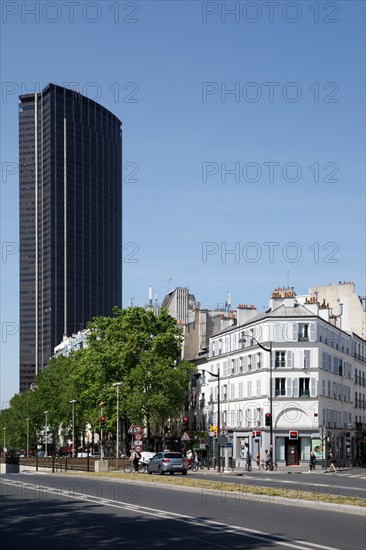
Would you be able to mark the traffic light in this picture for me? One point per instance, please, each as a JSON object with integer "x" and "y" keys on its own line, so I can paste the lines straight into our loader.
{"x": 185, "y": 423}
{"x": 268, "y": 419}
{"x": 102, "y": 422}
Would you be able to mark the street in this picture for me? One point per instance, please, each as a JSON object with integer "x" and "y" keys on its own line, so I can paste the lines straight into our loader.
{"x": 42, "y": 510}
{"x": 350, "y": 483}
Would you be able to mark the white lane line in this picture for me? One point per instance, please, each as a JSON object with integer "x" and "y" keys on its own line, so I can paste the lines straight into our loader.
{"x": 293, "y": 544}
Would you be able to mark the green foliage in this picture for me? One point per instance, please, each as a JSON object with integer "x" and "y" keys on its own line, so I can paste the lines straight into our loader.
{"x": 134, "y": 347}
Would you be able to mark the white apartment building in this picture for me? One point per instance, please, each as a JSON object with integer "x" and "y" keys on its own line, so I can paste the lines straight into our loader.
{"x": 318, "y": 388}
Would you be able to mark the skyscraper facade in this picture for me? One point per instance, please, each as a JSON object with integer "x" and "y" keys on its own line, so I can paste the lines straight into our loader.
{"x": 70, "y": 153}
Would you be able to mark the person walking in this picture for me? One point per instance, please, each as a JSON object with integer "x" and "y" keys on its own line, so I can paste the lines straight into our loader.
{"x": 249, "y": 461}
{"x": 312, "y": 462}
{"x": 333, "y": 465}
{"x": 258, "y": 460}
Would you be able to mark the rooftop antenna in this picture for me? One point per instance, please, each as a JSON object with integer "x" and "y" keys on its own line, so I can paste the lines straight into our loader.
{"x": 168, "y": 281}
{"x": 288, "y": 279}
{"x": 228, "y": 300}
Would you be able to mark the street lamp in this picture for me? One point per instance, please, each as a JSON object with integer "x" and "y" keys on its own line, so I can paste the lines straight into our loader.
{"x": 45, "y": 436}
{"x": 101, "y": 430}
{"x": 198, "y": 375}
{"x": 4, "y": 440}
{"x": 73, "y": 401}
{"x": 27, "y": 419}
{"x": 269, "y": 350}
{"x": 117, "y": 385}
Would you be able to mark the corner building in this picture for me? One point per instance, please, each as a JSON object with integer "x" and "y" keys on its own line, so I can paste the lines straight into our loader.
{"x": 70, "y": 153}
{"x": 314, "y": 376}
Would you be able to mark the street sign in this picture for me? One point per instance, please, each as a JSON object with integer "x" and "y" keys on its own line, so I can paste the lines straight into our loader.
{"x": 138, "y": 436}
{"x": 222, "y": 440}
{"x": 185, "y": 437}
{"x": 138, "y": 448}
{"x": 138, "y": 429}
{"x": 132, "y": 429}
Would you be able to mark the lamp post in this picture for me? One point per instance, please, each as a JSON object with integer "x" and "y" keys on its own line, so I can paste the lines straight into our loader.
{"x": 269, "y": 350}
{"x": 73, "y": 401}
{"x": 101, "y": 431}
{"x": 117, "y": 385}
{"x": 27, "y": 420}
{"x": 45, "y": 435}
{"x": 4, "y": 440}
{"x": 198, "y": 375}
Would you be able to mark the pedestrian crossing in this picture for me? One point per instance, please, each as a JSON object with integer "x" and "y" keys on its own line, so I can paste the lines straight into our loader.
{"x": 351, "y": 475}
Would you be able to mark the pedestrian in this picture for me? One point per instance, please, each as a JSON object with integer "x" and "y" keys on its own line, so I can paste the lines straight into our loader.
{"x": 267, "y": 460}
{"x": 258, "y": 460}
{"x": 333, "y": 465}
{"x": 312, "y": 462}
{"x": 249, "y": 462}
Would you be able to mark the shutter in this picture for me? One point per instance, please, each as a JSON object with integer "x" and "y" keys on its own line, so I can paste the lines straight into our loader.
{"x": 306, "y": 359}
{"x": 313, "y": 332}
{"x": 289, "y": 382}
{"x": 295, "y": 332}
{"x": 258, "y": 387}
{"x": 295, "y": 387}
{"x": 289, "y": 359}
{"x": 245, "y": 363}
{"x": 277, "y": 333}
{"x": 273, "y": 389}
{"x": 313, "y": 387}
{"x": 324, "y": 360}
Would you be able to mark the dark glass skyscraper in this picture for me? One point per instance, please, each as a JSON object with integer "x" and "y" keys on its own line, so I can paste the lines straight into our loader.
{"x": 70, "y": 219}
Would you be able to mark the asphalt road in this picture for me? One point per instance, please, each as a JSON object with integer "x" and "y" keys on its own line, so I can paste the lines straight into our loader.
{"x": 352, "y": 483}
{"x": 59, "y": 511}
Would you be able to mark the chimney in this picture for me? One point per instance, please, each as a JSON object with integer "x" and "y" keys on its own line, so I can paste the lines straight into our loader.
{"x": 245, "y": 313}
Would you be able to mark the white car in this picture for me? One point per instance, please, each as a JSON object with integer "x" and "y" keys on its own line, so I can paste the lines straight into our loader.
{"x": 146, "y": 456}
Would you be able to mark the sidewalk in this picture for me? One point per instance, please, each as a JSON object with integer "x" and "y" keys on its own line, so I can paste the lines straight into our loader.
{"x": 282, "y": 469}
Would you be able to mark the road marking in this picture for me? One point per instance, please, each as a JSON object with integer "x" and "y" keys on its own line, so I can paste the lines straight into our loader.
{"x": 293, "y": 544}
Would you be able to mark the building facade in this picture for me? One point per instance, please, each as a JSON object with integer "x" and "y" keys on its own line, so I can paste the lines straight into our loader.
{"x": 70, "y": 152}
{"x": 309, "y": 376}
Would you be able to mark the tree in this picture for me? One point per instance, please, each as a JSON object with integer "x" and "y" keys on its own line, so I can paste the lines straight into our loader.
{"x": 140, "y": 350}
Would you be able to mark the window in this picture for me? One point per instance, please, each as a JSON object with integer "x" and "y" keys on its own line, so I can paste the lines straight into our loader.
{"x": 280, "y": 359}
{"x": 303, "y": 332}
{"x": 280, "y": 386}
{"x": 259, "y": 360}
{"x": 304, "y": 389}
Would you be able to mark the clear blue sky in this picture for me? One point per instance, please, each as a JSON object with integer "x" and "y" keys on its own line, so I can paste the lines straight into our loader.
{"x": 180, "y": 133}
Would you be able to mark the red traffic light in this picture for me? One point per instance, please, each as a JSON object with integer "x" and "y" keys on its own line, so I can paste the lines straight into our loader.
{"x": 268, "y": 419}
{"x": 102, "y": 418}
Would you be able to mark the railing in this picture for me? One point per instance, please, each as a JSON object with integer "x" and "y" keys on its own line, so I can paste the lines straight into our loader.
{"x": 63, "y": 464}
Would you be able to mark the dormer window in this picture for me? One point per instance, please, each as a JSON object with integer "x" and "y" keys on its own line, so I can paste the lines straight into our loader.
{"x": 303, "y": 332}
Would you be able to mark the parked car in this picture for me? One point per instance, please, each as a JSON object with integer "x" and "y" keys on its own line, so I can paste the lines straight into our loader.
{"x": 167, "y": 462}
